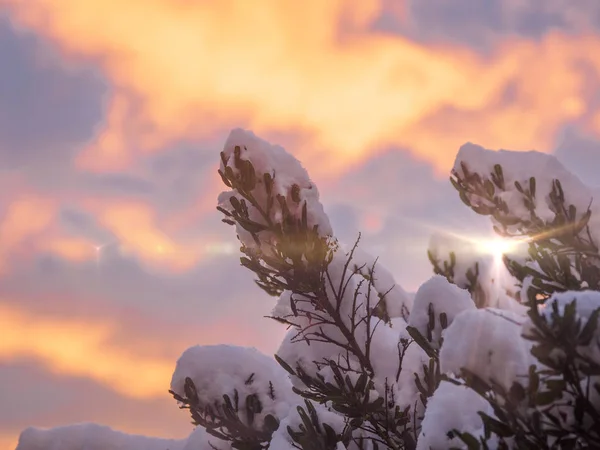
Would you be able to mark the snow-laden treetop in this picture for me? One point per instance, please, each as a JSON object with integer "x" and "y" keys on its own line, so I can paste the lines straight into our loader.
{"x": 469, "y": 359}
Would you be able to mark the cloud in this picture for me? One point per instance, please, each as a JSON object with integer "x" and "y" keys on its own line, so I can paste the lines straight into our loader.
{"x": 115, "y": 184}
{"x": 176, "y": 74}
{"x": 114, "y": 259}
{"x": 33, "y": 396}
{"x": 110, "y": 267}
{"x": 148, "y": 241}
{"x": 71, "y": 347}
{"x": 120, "y": 289}
{"x": 397, "y": 203}
{"x": 580, "y": 154}
{"x": 46, "y": 110}
{"x": 120, "y": 354}
{"x": 25, "y": 217}
{"x": 9, "y": 440}
{"x": 482, "y": 24}
{"x": 167, "y": 201}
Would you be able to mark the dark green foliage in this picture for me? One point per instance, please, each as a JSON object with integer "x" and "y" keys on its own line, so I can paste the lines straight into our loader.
{"x": 223, "y": 420}
{"x": 314, "y": 435}
{"x": 300, "y": 254}
{"x": 472, "y": 281}
{"x": 353, "y": 399}
{"x": 429, "y": 380}
{"x": 297, "y": 260}
{"x": 445, "y": 268}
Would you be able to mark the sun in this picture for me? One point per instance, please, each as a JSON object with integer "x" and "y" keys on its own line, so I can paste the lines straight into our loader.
{"x": 496, "y": 247}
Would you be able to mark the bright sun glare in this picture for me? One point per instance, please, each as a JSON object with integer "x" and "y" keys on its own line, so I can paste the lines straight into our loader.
{"x": 496, "y": 247}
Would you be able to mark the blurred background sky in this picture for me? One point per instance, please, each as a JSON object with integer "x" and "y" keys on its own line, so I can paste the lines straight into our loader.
{"x": 113, "y": 259}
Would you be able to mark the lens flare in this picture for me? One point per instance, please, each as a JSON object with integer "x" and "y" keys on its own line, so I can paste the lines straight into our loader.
{"x": 497, "y": 247}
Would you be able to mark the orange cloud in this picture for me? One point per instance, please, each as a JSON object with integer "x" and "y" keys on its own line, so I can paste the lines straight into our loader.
{"x": 72, "y": 249}
{"x": 70, "y": 347}
{"x": 28, "y": 225}
{"x": 137, "y": 229}
{"x": 90, "y": 348}
{"x": 26, "y": 216}
{"x": 205, "y": 204}
{"x": 183, "y": 69}
{"x": 372, "y": 221}
{"x": 110, "y": 149}
{"x": 8, "y": 441}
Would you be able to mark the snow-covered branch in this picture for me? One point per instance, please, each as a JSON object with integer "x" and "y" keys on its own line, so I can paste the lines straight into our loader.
{"x": 464, "y": 363}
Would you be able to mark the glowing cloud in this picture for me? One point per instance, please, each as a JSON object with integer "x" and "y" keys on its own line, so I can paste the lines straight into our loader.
{"x": 25, "y": 217}
{"x": 8, "y": 440}
{"x": 138, "y": 230}
{"x": 183, "y": 69}
{"x": 94, "y": 349}
{"x": 81, "y": 349}
{"x": 72, "y": 249}
{"x": 29, "y": 226}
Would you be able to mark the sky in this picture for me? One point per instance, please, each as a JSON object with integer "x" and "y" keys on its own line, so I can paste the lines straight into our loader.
{"x": 113, "y": 259}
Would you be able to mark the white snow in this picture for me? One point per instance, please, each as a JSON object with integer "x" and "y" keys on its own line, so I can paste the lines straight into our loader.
{"x": 90, "y": 436}
{"x": 217, "y": 370}
{"x": 299, "y": 353}
{"x": 444, "y": 297}
{"x": 586, "y": 303}
{"x": 350, "y": 304}
{"x": 199, "y": 439}
{"x": 286, "y": 171}
{"x": 397, "y": 301}
{"x": 385, "y": 356}
{"x": 451, "y": 407}
{"x": 281, "y": 439}
{"x": 494, "y": 280}
{"x": 594, "y": 222}
{"x": 488, "y": 343}
{"x": 520, "y": 167}
{"x": 407, "y": 394}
